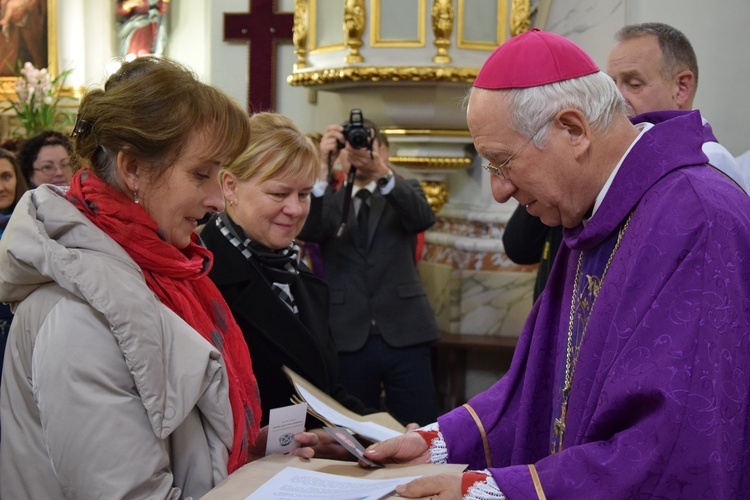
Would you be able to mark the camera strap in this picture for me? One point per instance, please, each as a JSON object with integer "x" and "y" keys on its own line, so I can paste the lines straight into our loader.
{"x": 347, "y": 206}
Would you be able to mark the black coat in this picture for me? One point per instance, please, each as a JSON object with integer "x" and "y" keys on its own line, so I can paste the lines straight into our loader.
{"x": 527, "y": 240}
{"x": 273, "y": 333}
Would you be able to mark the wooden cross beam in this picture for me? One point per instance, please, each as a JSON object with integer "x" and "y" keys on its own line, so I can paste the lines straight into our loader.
{"x": 263, "y": 28}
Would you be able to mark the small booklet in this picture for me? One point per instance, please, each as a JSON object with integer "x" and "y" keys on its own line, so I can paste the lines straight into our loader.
{"x": 374, "y": 427}
{"x": 349, "y": 442}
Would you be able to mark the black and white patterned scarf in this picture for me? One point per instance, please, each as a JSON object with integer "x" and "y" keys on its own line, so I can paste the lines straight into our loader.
{"x": 280, "y": 267}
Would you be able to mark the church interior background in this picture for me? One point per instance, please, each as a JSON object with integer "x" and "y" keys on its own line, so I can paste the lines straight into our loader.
{"x": 407, "y": 64}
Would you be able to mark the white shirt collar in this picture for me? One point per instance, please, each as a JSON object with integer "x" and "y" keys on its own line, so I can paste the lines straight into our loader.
{"x": 643, "y": 127}
{"x": 370, "y": 187}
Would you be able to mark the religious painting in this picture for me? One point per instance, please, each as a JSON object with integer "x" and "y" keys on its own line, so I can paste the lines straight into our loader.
{"x": 28, "y": 35}
{"x": 142, "y": 27}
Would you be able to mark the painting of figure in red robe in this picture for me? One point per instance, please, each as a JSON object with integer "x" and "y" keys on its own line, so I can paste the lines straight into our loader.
{"x": 141, "y": 27}
{"x": 23, "y": 34}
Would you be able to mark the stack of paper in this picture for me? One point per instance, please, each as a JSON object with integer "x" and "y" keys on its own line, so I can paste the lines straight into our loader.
{"x": 374, "y": 427}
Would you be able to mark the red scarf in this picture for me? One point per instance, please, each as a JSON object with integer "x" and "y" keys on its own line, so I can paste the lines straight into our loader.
{"x": 180, "y": 279}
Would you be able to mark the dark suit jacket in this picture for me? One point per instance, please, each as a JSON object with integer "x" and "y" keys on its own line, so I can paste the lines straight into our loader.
{"x": 379, "y": 282}
{"x": 527, "y": 240}
{"x": 274, "y": 335}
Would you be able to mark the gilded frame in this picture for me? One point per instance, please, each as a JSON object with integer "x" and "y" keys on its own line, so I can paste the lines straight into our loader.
{"x": 377, "y": 41}
{"x": 7, "y": 83}
{"x": 502, "y": 20}
{"x": 313, "y": 32}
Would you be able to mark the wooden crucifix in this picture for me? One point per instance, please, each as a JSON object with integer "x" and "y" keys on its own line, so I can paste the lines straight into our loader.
{"x": 263, "y": 27}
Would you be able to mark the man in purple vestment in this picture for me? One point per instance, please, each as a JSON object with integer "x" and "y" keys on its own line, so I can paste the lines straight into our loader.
{"x": 631, "y": 378}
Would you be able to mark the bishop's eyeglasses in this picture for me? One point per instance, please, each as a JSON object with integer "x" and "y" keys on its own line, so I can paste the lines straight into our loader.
{"x": 502, "y": 169}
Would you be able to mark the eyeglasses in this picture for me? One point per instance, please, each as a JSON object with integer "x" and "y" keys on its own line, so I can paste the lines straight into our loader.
{"x": 51, "y": 169}
{"x": 499, "y": 170}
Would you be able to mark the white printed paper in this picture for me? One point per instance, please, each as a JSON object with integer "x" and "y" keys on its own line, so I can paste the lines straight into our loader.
{"x": 370, "y": 430}
{"x": 283, "y": 424}
{"x": 300, "y": 484}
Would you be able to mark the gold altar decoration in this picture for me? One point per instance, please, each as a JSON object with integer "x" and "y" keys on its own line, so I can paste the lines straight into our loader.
{"x": 520, "y": 17}
{"x": 437, "y": 163}
{"x": 354, "y": 28}
{"x": 442, "y": 27}
{"x": 466, "y": 36}
{"x": 402, "y": 70}
{"x": 407, "y": 40}
{"x": 432, "y": 171}
{"x": 436, "y": 193}
{"x": 299, "y": 33}
{"x": 314, "y": 77}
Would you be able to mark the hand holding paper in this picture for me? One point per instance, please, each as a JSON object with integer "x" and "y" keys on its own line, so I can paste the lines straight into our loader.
{"x": 283, "y": 424}
{"x": 407, "y": 448}
{"x": 375, "y": 427}
{"x": 253, "y": 476}
{"x": 284, "y": 435}
{"x": 350, "y": 443}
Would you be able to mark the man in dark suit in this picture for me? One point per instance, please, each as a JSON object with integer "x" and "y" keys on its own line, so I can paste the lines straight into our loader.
{"x": 381, "y": 319}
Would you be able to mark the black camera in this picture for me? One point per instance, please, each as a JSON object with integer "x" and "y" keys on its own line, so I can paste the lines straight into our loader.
{"x": 356, "y": 132}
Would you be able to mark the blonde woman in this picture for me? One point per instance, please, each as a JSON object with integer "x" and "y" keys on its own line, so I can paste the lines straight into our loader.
{"x": 280, "y": 305}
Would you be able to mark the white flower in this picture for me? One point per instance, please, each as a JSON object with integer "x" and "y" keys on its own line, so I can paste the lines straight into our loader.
{"x": 37, "y": 100}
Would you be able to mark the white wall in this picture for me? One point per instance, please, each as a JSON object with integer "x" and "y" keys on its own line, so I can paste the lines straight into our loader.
{"x": 191, "y": 35}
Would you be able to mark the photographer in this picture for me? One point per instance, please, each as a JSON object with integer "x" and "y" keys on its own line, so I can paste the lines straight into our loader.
{"x": 381, "y": 319}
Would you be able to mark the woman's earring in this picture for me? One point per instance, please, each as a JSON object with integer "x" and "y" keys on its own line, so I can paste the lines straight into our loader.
{"x": 231, "y": 203}
{"x": 135, "y": 197}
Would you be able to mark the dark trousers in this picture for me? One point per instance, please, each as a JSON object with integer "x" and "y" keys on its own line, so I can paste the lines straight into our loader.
{"x": 405, "y": 373}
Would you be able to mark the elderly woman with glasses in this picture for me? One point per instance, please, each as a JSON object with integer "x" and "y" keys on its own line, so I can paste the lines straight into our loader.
{"x": 46, "y": 159}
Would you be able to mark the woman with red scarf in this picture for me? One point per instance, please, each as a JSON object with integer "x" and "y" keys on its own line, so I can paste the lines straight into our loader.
{"x": 126, "y": 374}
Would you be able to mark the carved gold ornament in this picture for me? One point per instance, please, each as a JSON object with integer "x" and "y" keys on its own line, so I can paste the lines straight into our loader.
{"x": 354, "y": 28}
{"x": 436, "y": 193}
{"x": 520, "y": 17}
{"x": 299, "y": 33}
{"x": 442, "y": 27}
{"x": 441, "y": 163}
{"x": 307, "y": 78}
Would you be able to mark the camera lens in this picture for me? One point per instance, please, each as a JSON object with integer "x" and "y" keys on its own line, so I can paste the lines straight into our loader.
{"x": 356, "y": 133}
{"x": 358, "y": 138}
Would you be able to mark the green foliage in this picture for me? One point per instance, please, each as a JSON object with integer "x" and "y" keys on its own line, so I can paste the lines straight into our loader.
{"x": 37, "y": 100}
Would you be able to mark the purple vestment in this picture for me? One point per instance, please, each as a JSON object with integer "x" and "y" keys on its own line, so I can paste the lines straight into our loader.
{"x": 659, "y": 402}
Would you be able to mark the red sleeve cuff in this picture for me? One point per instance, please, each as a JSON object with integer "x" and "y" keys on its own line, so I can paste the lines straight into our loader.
{"x": 469, "y": 479}
{"x": 428, "y": 436}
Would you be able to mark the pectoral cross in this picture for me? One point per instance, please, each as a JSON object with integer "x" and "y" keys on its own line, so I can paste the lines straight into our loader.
{"x": 558, "y": 427}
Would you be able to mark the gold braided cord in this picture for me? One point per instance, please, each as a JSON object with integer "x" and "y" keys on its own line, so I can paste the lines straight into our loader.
{"x": 571, "y": 359}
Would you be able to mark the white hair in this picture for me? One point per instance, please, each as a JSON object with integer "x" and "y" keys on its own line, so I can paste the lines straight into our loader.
{"x": 533, "y": 108}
